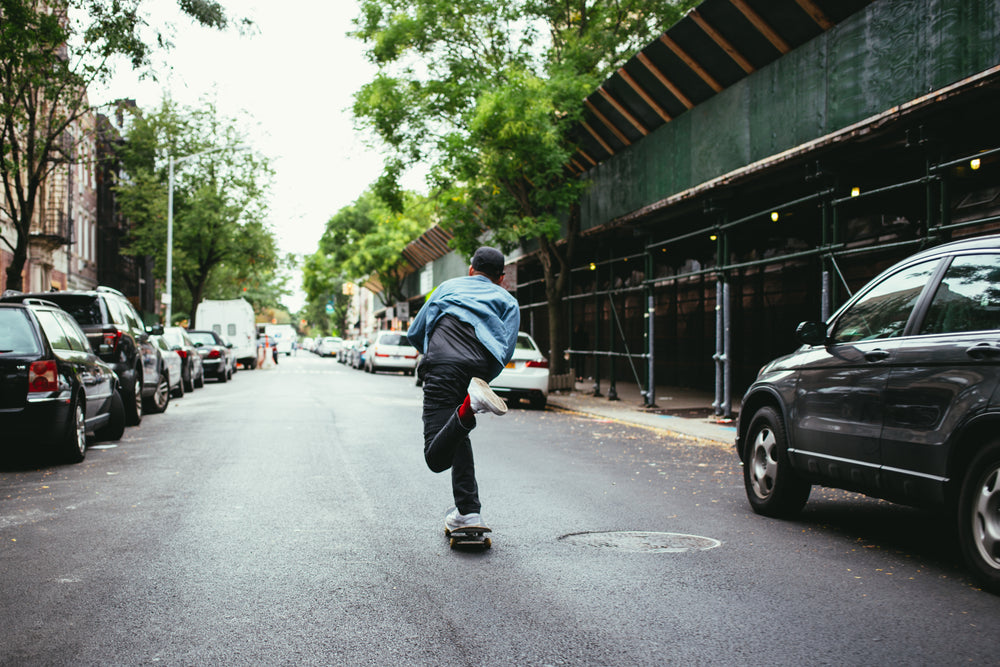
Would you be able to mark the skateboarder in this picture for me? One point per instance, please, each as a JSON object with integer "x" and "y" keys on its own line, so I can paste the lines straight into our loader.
{"x": 466, "y": 330}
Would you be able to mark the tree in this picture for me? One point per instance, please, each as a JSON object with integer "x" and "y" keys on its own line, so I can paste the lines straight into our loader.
{"x": 221, "y": 241}
{"x": 489, "y": 92}
{"x": 52, "y": 51}
{"x": 364, "y": 242}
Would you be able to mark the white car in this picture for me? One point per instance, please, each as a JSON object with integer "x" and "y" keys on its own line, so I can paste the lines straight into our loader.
{"x": 329, "y": 346}
{"x": 391, "y": 351}
{"x": 526, "y": 376}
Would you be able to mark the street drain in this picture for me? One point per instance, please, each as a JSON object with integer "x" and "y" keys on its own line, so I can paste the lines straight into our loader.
{"x": 636, "y": 541}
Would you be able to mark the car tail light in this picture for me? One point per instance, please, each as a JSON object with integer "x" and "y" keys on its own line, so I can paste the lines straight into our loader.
{"x": 183, "y": 354}
{"x": 410, "y": 356}
{"x": 381, "y": 354}
{"x": 112, "y": 338}
{"x": 43, "y": 377}
{"x": 214, "y": 354}
{"x": 541, "y": 363}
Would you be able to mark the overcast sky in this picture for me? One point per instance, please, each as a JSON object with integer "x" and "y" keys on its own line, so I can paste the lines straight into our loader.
{"x": 296, "y": 77}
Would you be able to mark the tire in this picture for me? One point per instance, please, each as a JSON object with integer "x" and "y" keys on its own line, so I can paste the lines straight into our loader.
{"x": 188, "y": 381}
{"x": 115, "y": 427}
{"x": 179, "y": 392}
{"x": 979, "y": 517}
{"x": 158, "y": 402}
{"x": 223, "y": 376}
{"x": 73, "y": 447}
{"x": 772, "y": 487}
{"x": 132, "y": 400}
{"x": 200, "y": 382}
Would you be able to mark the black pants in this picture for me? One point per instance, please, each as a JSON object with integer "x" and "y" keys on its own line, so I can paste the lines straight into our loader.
{"x": 446, "y": 440}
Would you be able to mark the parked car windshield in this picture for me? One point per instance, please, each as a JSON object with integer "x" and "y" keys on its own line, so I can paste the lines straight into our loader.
{"x": 15, "y": 333}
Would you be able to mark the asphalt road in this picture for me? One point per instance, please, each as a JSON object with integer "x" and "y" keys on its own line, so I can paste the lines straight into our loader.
{"x": 287, "y": 518}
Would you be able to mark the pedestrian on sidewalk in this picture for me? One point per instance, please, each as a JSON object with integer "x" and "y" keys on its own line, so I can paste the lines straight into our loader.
{"x": 466, "y": 331}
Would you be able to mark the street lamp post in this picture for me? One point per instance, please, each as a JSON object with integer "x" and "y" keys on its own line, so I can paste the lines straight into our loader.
{"x": 168, "y": 295}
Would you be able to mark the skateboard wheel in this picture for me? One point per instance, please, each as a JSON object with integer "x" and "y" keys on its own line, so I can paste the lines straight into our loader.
{"x": 487, "y": 543}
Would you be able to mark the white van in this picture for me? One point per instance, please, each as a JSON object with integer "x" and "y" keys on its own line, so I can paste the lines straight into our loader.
{"x": 234, "y": 320}
{"x": 284, "y": 334}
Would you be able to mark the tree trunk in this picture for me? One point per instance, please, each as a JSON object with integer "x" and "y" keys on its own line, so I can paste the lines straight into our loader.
{"x": 15, "y": 279}
{"x": 556, "y": 260}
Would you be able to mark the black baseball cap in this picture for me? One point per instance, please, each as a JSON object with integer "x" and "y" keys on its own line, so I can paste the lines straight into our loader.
{"x": 489, "y": 261}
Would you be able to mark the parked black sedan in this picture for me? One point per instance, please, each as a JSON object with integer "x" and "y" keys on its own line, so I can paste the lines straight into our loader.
{"x": 216, "y": 354}
{"x": 53, "y": 388}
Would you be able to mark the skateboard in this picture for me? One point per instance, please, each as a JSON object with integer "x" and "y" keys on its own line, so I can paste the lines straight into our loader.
{"x": 470, "y": 536}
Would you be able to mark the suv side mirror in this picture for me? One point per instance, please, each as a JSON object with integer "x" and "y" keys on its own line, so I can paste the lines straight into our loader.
{"x": 156, "y": 330}
{"x": 811, "y": 333}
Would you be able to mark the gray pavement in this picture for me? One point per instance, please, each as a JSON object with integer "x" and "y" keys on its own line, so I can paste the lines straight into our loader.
{"x": 679, "y": 410}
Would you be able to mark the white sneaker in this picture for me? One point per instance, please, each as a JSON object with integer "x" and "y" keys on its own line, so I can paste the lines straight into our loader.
{"x": 483, "y": 399}
{"x": 454, "y": 520}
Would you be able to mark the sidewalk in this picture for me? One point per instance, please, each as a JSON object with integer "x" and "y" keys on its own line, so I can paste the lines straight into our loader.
{"x": 678, "y": 410}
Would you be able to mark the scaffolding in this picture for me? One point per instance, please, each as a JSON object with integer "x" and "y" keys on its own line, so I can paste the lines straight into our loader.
{"x": 615, "y": 312}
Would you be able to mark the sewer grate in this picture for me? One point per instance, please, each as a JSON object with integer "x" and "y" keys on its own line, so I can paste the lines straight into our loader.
{"x": 636, "y": 541}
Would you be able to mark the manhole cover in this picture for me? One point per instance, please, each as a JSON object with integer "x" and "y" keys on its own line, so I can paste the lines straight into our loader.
{"x": 642, "y": 542}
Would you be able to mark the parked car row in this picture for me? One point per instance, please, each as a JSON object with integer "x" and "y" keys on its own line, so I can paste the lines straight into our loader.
{"x": 79, "y": 364}
{"x": 526, "y": 376}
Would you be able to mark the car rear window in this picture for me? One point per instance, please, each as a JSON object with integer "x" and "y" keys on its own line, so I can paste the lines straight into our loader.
{"x": 524, "y": 343}
{"x": 85, "y": 309}
{"x": 394, "y": 339}
{"x": 16, "y": 335}
{"x": 203, "y": 338}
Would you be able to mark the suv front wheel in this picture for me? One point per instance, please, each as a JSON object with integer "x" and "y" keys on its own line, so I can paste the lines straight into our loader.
{"x": 772, "y": 487}
{"x": 979, "y": 516}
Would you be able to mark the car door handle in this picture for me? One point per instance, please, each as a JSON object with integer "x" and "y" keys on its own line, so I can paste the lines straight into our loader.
{"x": 876, "y": 355}
{"x": 983, "y": 351}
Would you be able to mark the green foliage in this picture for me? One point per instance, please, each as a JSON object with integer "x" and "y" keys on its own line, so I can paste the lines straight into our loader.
{"x": 222, "y": 246}
{"x": 362, "y": 241}
{"x": 489, "y": 92}
{"x": 52, "y": 51}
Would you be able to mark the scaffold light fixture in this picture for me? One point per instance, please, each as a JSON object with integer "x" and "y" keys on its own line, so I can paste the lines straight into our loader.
{"x": 975, "y": 163}
{"x": 593, "y": 267}
{"x": 774, "y": 216}
{"x": 855, "y": 191}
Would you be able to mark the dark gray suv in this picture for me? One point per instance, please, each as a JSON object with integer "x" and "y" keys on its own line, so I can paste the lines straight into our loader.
{"x": 896, "y": 396}
{"x": 117, "y": 335}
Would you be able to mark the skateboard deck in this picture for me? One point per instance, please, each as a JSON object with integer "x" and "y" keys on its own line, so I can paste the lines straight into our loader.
{"x": 470, "y": 536}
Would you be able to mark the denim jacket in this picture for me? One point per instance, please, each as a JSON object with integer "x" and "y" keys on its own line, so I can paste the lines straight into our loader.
{"x": 490, "y": 309}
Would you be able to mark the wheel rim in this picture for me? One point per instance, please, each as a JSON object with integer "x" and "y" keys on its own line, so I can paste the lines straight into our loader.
{"x": 764, "y": 463}
{"x": 81, "y": 429}
{"x": 162, "y": 392}
{"x": 986, "y": 519}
